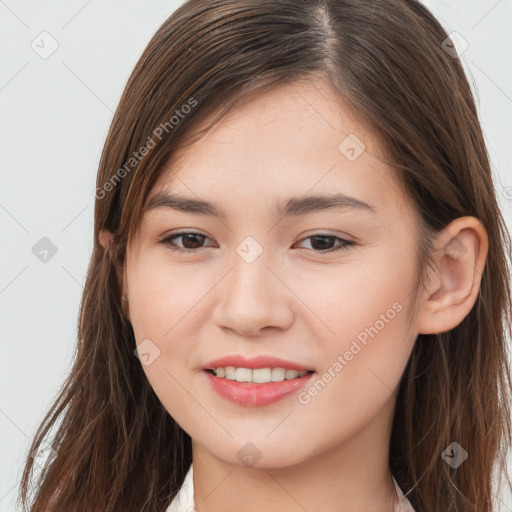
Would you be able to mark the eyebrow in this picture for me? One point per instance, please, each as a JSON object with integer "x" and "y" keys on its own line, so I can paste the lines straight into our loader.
{"x": 294, "y": 206}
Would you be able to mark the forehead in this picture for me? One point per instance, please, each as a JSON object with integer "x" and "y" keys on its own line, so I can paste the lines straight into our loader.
{"x": 296, "y": 117}
{"x": 295, "y": 139}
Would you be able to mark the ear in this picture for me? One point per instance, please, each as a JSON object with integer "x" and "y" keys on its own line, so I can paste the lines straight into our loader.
{"x": 105, "y": 238}
{"x": 454, "y": 282}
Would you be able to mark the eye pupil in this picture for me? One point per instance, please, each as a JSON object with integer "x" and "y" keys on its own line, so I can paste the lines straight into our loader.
{"x": 326, "y": 242}
{"x": 191, "y": 236}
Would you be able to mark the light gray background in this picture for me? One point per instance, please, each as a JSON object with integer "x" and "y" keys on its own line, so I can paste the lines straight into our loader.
{"x": 54, "y": 116}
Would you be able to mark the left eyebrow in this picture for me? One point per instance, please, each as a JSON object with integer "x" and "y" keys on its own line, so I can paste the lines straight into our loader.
{"x": 308, "y": 204}
{"x": 294, "y": 206}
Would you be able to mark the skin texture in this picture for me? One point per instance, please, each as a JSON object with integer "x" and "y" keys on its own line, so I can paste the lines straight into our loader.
{"x": 293, "y": 302}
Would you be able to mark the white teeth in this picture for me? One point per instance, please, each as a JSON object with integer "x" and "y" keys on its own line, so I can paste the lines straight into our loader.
{"x": 259, "y": 375}
{"x": 262, "y": 375}
{"x": 278, "y": 374}
{"x": 291, "y": 374}
{"x": 243, "y": 375}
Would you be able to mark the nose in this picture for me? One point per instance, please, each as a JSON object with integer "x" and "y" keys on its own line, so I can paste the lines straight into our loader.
{"x": 253, "y": 297}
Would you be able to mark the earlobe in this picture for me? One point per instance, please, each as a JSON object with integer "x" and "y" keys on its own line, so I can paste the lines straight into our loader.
{"x": 104, "y": 237}
{"x": 455, "y": 280}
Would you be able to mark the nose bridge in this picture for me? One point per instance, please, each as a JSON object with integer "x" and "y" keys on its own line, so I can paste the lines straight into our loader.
{"x": 252, "y": 280}
{"x": 252, "y": 296}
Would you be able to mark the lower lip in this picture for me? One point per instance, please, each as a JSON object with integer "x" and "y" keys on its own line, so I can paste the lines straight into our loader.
{"x": 255, "y": 395}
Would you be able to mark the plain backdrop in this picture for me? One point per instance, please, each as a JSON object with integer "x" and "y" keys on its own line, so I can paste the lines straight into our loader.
{"x": 55, "y": 111}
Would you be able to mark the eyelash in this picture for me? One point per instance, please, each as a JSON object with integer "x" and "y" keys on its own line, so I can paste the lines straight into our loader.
{"x": 167, "y": 241}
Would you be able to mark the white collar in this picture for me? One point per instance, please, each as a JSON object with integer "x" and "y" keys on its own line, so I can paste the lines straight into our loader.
{"x": 184, "y": 500}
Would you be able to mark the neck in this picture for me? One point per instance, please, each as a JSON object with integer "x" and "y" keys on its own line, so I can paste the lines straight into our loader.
{"x": 353, "y": 476}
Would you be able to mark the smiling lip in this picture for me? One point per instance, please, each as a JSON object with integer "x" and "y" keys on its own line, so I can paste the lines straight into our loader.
{"x": 252, "y": 394}
{"x": 255, "y": 395}
{"x": 239, "y": 361}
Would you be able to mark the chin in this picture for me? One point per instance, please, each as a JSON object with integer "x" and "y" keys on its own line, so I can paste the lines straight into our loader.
{"x": 258, "y": 454}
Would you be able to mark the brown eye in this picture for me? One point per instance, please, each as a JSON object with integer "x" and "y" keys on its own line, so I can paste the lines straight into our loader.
{"x": 193, "y": 242}
{"x": 190, "y": 241}
{"x": 328, "y": 243}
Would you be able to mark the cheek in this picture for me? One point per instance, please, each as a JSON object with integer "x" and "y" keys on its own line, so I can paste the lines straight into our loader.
{"x": 164, "y": 303}
{"x": 350, "y": 296}
{"x": 163, "y": 298}
{"x": 367, "y": 338}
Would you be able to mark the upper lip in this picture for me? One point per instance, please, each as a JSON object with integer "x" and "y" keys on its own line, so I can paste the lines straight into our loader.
{"x": 262, "y": 361}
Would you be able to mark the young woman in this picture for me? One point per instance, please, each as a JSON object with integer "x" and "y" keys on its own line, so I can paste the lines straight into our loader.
{"x": 299, "y": 277}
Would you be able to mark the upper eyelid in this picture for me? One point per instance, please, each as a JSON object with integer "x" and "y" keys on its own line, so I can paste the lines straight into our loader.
{"x": 187, "y": 232}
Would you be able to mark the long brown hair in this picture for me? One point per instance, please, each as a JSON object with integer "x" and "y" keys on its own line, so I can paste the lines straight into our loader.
{"x": 116, "y": 447}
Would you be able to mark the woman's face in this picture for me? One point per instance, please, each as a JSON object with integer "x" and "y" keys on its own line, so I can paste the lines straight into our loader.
{"x": 311, "y": 259}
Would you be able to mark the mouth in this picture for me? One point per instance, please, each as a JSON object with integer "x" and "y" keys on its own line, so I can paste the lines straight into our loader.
{"x": 257, "y": 375}
{"x": 255, "y": 387}
{"x": 255, "y": 381}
